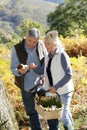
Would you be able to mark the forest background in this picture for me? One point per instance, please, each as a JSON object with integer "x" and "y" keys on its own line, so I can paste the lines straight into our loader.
{"x": 70, "y": 19}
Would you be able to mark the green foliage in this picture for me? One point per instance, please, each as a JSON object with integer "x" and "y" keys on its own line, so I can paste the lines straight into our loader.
{"x": 51, "y": 101}
{"x": 8, "y": 38}
{"x": 35, "y": 10}
{"x": 82, "y": 120}
{"x": 6, "y": 26}
{"x": 3, "y": 36}
{"x": 27, "y": 24}
{"x": 7, "y": 35}
{"x": 0, "y": 4}
{"x": 14, "y": 40}
{"x": 69, "y": 18}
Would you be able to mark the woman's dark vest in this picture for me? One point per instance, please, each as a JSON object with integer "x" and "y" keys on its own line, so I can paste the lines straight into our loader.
{"x": 22, "y": 56}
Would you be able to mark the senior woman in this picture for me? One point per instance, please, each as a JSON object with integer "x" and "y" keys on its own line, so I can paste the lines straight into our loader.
{"x": 58, "y": 75}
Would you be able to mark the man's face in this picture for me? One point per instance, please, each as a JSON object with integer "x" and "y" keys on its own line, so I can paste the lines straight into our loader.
{"x": 31, "y": 42}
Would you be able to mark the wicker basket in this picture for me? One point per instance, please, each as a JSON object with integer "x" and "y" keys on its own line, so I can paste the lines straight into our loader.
{"x": 49, "y": 114}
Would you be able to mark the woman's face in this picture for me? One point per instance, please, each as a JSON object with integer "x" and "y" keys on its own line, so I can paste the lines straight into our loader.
{"x": 50, "y": 47}
{"x": 31, "y": 42}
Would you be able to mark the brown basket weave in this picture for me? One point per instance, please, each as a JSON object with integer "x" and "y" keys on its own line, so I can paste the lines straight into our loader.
{"x": 49, "y": 114}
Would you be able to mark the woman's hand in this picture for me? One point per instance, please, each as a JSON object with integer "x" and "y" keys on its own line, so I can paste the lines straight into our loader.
{"x": 33, "y": 66}
{"x": 52, "y": 89}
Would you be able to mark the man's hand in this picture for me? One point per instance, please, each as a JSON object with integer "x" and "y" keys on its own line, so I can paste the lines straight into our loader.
{"x": 42, "y": 80}
{"x": 22, "y": 69}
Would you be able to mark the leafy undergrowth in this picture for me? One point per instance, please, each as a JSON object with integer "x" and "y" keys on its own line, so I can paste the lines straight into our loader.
{"x": 79, "y": 101}
{"x": 76, "y": 46}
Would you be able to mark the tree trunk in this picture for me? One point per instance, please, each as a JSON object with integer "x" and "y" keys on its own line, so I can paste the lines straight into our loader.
{"x": 7, "y": 115}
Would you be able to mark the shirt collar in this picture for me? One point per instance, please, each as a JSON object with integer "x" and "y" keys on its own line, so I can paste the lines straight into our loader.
{"x": 27, "y": 48}
{"x": 55, "y": 52}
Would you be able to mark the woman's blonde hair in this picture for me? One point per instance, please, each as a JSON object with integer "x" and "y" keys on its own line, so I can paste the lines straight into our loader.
{"x": 52, "y": 37}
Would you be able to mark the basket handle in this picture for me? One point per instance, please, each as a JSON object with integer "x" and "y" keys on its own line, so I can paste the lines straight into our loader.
{"x": 49, "y": 91}
{"x": 38, "y": 84}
